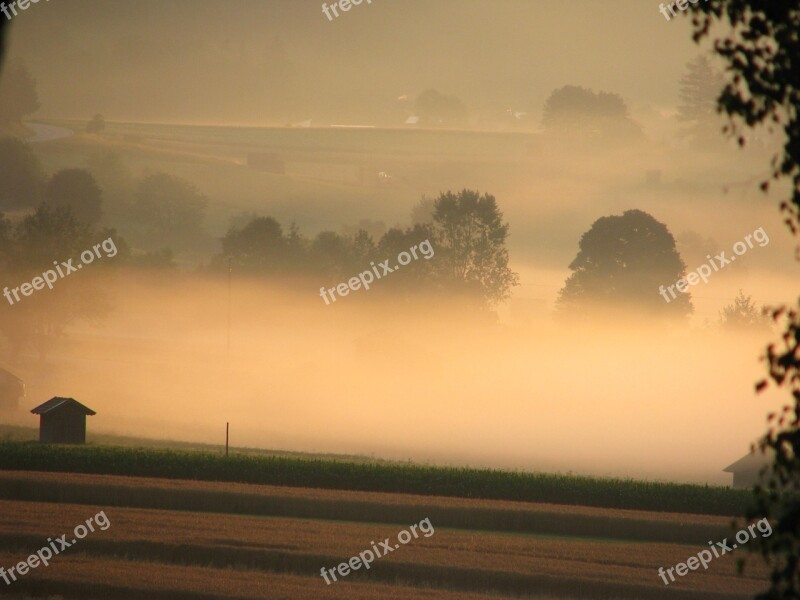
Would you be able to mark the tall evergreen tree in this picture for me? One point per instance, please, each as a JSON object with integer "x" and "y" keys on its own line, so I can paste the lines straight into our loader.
{"x": 18, "y": 95}
{"x": 699, "y": 89}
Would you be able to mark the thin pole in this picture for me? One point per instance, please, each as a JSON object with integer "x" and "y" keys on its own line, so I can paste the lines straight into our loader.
{"x": 230, "y": 275}
{"x": 230, "y": 272}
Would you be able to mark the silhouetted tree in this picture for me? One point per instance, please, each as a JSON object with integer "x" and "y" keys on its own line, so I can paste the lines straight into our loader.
{"x": 258, "y": 247}
{"x": 332, "y": 255}
{"x": 375, "y": 229}
{"x": 700, "y": 87}
{"x": 77, "y": 189}
{"x": 695, "y": 248}
{"x": 434, "y": 108}
{"x": 111, "y": 174}
{"x": 743, "y": 315}
{"x": 5, "y": 242}
{"x": 51, "y": 234}
{"x": 572, "y": 102}
{"x": 158, "y": 259}
{"x": 363, "y": 247}
{"x": 96, "y": 125}
{"x": 581, "y": 112}
{"x": 21, "y": 181}
{"x": 420, "y": 277}
{"x": 422, "y": 213}
{"x": 297, "y": 247}
{"x": 470, "y": 243}
{"x": 621, "y": 264}
{"x": 468, "y": 230}
{"x": 116, "y": 184}
{"x": 169, "y": 212}
{"x": 18, "y": 96}
{"x": 3, "y": 29}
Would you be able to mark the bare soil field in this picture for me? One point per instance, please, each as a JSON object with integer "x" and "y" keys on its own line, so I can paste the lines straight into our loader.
{"x": 209, "y": 552}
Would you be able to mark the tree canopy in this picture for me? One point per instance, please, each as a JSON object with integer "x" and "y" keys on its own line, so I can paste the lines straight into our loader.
{"x": 18, "y": 95}
{"x": 168, "y": 212}
{"x": 471, "y": 241}
{"x": 761, "y": 50}
{"x": 466, "y": 231}
{"x": 699, "y": 89}
{"x": 435, "y": 108}
{"x": 622, "y": 262}
{"x": 21, "y": 183}
{"x": 31, "y": 245}
{"x": 77, "y": 189}
{"x": 743, "y": 315}
{"x": 96, "y": 125}
{"x": 583, "y": 112}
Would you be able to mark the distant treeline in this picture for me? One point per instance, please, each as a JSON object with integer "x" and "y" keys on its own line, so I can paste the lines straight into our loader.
{"x": 465, "y": 230}
{"x": 159, "y": 214}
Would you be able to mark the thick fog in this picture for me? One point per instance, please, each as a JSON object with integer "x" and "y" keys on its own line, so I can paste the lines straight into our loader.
{"x": 370, "y": 374}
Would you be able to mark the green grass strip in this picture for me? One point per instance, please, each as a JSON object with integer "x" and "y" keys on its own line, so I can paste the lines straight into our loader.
{"x": 375, "y": 477}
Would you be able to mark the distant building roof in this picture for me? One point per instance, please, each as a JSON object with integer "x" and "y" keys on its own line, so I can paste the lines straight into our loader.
{"x": 749, "y": 462}
{"x": 56, "y": 403}
{"x": 6, "y": 373}
{"x": 353, "y": 127}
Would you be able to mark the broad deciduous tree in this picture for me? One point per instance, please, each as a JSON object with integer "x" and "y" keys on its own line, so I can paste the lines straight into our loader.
{"x": 581, "y": 112}
{"x": 168, "y": 212}
{"x": 22, "y": 180}
{"x": 470, "y": 243}
{"x": 621, "y": 264}
{"x": 77, "y": 189}
{"x": 51, "y": 234}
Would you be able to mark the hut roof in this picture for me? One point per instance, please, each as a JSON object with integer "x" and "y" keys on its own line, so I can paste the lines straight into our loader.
{"x": 5, "y": 372}
{"x": 59, "y": 403}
